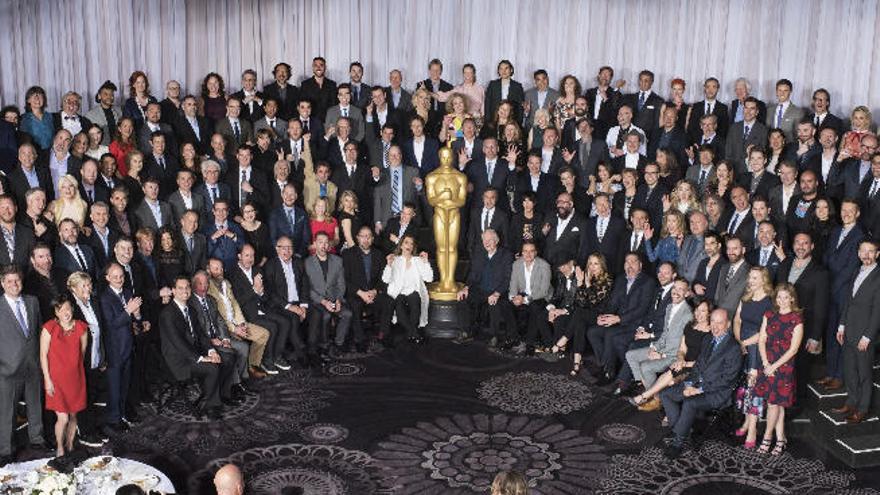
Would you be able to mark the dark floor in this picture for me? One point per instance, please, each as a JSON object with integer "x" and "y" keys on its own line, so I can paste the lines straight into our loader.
{"x": 444, "y": 418}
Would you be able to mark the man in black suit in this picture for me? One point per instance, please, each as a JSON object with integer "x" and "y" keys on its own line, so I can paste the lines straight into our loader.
{"x": 69, "y": 117}
{"x": 72, "y": 256}
{"x": 630, "y": 300}
{"x": 870, "y": 199}
{"x": 649, "y": 195}
{"x": 768, "y": 252}
{"x": 708, "y": 106}
{"x": 58, "y": 161}
{"x": 489, "y": 217}
{"x": 152, "y": 124}
{"x": 18, "y": 239}
{"x": 319, "y": 89}
{"x": 188, "y": 352}
{"x": 287, "y": 289}
{"x": 603, "y": 233}
{"x": 161, "y": 165}
{"x": 26, "y": 175}
{"x": 565, "y": 233}
{"x": 633, "y": 239}
{"x": 287, "y": 95}
{"x": 211, "y": 189}
{"x": 360, "y": 91}
{"x": 735, "y": 219}
{"x": 710, "y": 384}
{"x": 708, "y": 136}
{"x": 478, "y": 172}
{"x": 191, "y": 127}
{"x": 821, "y": 117}
{"x": 353, "y": 174}
{"x": 434, "y": 83}
{"x": 365, "y": 291}
{"x": 585, "y": 152}
{"x": 706, "y": 281}
{"x": 468, "y": 147}
{"x": 101, "y": 237}
{"x": 251, "y": 99}
{"x": 486, "y": 289}
{"x": 670, "y": 136}
{"x": 645, "y": 104}
{"x": 246, "y": 183}
{"x": 397, "y": 228}
{"x": 184, "y": 198}
{"x": 90, "y": 188}
{"x": 505, "y": 88}
{"x": 603, "y": 100}
{"x": 810, "y": 280}
{"x": 542, "y": 185}
{"x": 380, "y": 114}
{"x": 745, "y": 134}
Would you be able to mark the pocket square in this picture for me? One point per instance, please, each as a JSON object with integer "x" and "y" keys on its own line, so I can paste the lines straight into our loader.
{"x": 650, "y": 107}
{"x": 575, "y": 229}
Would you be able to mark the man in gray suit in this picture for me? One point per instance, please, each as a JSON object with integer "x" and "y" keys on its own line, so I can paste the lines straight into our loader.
{"x": 19, "y": 361}
{"x": 859, "y": 325}
{"x": 649, "y": 362}
{"x": 152, "y": 212}
{"x": 530, "y": 279}
{"x": 733, "y": 277}
{"x": 743, "y": 135}
{"x": 152, "y": 124}
{"x": 271, "y": 120}
{"x": 692, "y": 252}
{"x": 538, "y": 97}
{"x": 346, "y": 109}
{"x": 398, "y": 98}
{"x": 585, "y": 153}
{"x": 784, "y": 114}
{"x": 106, "y": 114}
{"x": 394, "y": 186}
{"x": 326, "y": 295}
{"x": 184, "y": 199}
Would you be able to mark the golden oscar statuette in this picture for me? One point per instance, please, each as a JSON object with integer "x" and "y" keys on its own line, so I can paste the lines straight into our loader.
{"x": 446, "y": 188}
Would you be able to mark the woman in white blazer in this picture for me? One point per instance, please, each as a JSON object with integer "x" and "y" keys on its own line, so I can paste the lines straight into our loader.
{"x": 406, "y": 276}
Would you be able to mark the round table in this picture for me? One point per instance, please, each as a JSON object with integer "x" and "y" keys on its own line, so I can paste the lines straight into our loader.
{"x": 98, "y": 482}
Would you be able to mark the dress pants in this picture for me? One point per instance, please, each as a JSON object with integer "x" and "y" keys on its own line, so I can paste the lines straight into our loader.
{"x": 319, "y": 326}
{"x": 606, "y": 343}
{"x": 533, "y": 318}
{"x": 96, "y": 381}
{"x": 682, "y": 411}
{"x": 30, "y": 381}
{"x": 291, "y": 324}
{"x": 381, "y": 310}
{"x": 215, "y": 380}
{"x": 833, "y": 350}
{"x": 479, "y": 313}
{"x": 858, "y": 375}
{"x": 236, "y": 357}
{"x": 118, "y": 381}
{"x": 646, "y": 370}
{"x": 409, "y": 311}
{"x": 143, "y": 362}
{"x": 278, "y": 327}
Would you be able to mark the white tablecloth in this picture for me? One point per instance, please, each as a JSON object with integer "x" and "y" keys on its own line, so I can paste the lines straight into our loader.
{"x": 98, "y": 482}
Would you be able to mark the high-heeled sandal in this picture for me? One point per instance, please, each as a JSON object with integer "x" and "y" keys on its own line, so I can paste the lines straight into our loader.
{"x": 749, "y": 444}
{"x": 576, "y": 369}
{"x": 765, "y": 446}
{"x": 779, "y": 448}
{"x": 740, "y": 432}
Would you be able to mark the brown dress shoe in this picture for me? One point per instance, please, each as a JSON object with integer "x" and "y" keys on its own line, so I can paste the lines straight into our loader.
{"x": 844, "y": 409}
{"x": 654, "y": 404}
{"x": 833, "y": 384}
{"x": 855, "y": 417}
{"x": 255, "y": 372}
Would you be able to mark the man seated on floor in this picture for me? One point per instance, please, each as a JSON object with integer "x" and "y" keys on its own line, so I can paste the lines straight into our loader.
{"x": 709, "y": 386}
{"x": 647, "y": 363}
{"x": 529, "y": 288}
{"x": 486, "y": 289}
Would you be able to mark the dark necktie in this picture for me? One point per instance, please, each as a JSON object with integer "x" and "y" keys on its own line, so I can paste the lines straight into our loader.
{"x": 91, "y": 195}
{"x": 237, "y": 131}
{"x": 658, "y": 299}
{"x": 368, "y": 267}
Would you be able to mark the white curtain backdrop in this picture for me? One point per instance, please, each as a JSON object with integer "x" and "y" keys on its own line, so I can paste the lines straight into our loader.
{"x": 77, "y": 44}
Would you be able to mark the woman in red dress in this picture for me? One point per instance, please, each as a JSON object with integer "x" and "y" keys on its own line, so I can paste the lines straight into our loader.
{"x": 321, "y": 221}
{"x": 778, "y": 343}
{"x": 63, "y": 342}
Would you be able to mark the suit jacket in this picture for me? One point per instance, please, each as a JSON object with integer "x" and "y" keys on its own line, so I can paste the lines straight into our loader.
{"x": 66, "y": 262}
{"x": 322, "y": 97}
{"x": 167, "y": 176}
{"x": 753, "y": 257}
{"x": 476, "y": 151}
{"x": 850, "y": 177}
{"x": 116, "y": 329}
{"x": 102, "y": 340}
{"x": 728, "y": 295}
{"x": 197, "y": 258}
{"x": 648, "y": 118}
{"x": 790, "y": 119}
{"x": 734, "y": 106}
{"x": 477, "y": 175}
{"x": 223, "y": 192}
{"x": 531, "y": 96}
{"x": 359, "y": 181}
{"x": 607, "y": 109}
{"x": 405, "y": 102}
{"x": 609, "y": 243}
{"x": 286, "y": 105}
{"x": 547, "y": 187}
{"x": 587, "y": 164}
{"x": 393, "y": 227}
{"x": 93, "y": 240}
{"x": 870, "y": 208}
{"x": 144, "y": 138}
{"x": 275, "y": 284}
{"x": 842, "y": 261}
{"x": 210, "y": 321}
{"x": 252, "y": 111}
{"x": 830, "y": 121}
{"x": 258, "y": 181}
{"x": 356, "y": 277}
{"x": 279, "y": 129}
{"x": 331, "y": 287}
{"x": 430, "y": 155}
{"x": 19, "y": 355}
{"x": 100, "y": 192}
{"x": 542, "y": 275}
{"x": 651, "y": 201}
{"x": 19, "y": 185}
{"x": 689, "y": 256}
{"x": 515, "y": 95}
{"x": 224, "y": 248}
{"x": 178, "y": 207}
{"x": 500, "y": 223}
{"x": 669, "y": 340}
{"x": 145, "y": 217}
{"x": 490, "y": 275}
{"x": 632, "y": 306}
{"x": 216, "y": 293}
{"x": 710, "y": 280}
{"x": 737, "y": 143}
{"x": 382, "y": 193}
{"x": 24, "y": 242}
{"x": 251, "y": 303}
{"x": 626, "y": 245}
{"x": 246, "y": 133}
{"x": 774, "y": 197}
{"x": 186, "y": 134}
{"x": 676, "y": 141}
{"x": 572, "y": 243}
{"x": 564, "y": 294}
{"x": 443, "y": 86}
{"x": 355, "y": 114}
{"x": 182, "y": 344}
{"x": 742, "y": 231}
{"x": 96, "y": 116}
{"x": 766, "y": 182}
{"x": 716, "y": 372}
{"x": 300, "y": 232}
{"x": 693, "y": 176}
{"x": 812, "y": 293}
{"x": 698, "y": 110}
{"x": 861, "y": 311}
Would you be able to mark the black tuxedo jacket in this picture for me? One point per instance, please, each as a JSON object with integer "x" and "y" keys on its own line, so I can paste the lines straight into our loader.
{"x": 652, "y": 202}
{"x": 258, "y": 181}
{"x": 698, "y": 110}
{"x": 648, "y": 118}
{"x": 93, "y": 240}
{"x": 610, "y": 241}
{"x": 251, "y": 303}
{"x": 500, "y": 223}
{"x": 547, "y": 187}
{"x": 572, "y": 243}
{"x": 477, "y": 175}
{"x": 246, "y": 112}
{"x": 767, "y": 182}
{"x": 491, "y": 275}
{"x": 710, "y": 281}
{"x": 830, "y": 121}
{"x": 57, "y": 124}
{"x": 812, "y": 289}
{"x": 607, "y": 110}
{"x": 762, "y": 111}
{"x": 286, "y": 105}
{"x": 167, "y": 176}
{"x": 181, "y": 347}
{"x": 197, "y": 258}
{"x": 515, "y": 95}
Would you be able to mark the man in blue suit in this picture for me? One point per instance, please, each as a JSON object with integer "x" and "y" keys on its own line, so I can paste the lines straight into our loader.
{"x": 225, "y": 237}
{"x": 710, "y": 383}
{"x": 486, "y": 289}
{"x": 291, "y": 221}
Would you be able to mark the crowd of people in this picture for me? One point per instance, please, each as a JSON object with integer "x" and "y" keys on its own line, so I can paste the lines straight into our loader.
{"x": 687, "y": 254}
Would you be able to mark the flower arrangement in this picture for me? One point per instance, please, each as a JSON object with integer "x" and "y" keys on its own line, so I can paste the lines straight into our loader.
{"x": 51, "y": 483}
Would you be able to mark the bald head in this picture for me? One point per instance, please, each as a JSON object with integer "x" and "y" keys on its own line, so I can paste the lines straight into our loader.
{"x": 228, "y": 480}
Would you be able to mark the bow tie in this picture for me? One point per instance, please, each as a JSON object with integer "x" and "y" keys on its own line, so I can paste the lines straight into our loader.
{"x": 70, "y": 117}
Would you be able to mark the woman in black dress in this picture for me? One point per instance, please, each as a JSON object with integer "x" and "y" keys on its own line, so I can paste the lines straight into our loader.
{"x": 256, "y": 233}
{"x": 349, "y": 221}
{"x": 822, "y": 222}
{"x": 169, "y": 257}
{"x": 526, "y": 224}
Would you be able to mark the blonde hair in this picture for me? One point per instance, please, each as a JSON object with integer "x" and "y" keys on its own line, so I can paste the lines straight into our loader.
{"x": 682, "y": 225}
{"x": 767, "y": 284}
{"x": 349, "y": 194}
{"x": 451, "y": 101}
{"x": 788, "y": 288}
{"x": 77, "y": 278}
{"x": 509, "y": 483}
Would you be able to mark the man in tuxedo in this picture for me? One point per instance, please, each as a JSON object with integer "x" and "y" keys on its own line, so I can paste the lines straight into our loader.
{"x": 486, "y": 290}
{"x": 489, "y": 217}
{"x": 192, "y": 127}
{"x": 702, "y": 173}
{"x": 630, "y": 300}
{"x": 287, "y": 292}
{"x": 633, "y": 239}
{"x": 491, "y": 171}
{"x": 269, "y": 119}
{"x": 397, "y": 228}
{"x": 20, "y": 368}
{"x": 779, "y": 197}
{"x": 291, "y": 221}
{"x": 758, "y": 181}
{"x": 18, "y": 239}
{"x": 347, "y": 108}
{"x": 251, "y": 100}
{"x": 234, "y": 129}
{"x": 184, "y": 198}
{"x": 153, "y": 212}
{"x": 859, "y": 325}
{"x": 245, "y": 182}
{"x": 708, "y": 106}
{"x": 645, "y": 104}
{"x": 631, "y": 156}
{"x": 565, "y": 233}
{"x": 312, "y": 126}
{"x": 188, "y": 353}
{"x": 101, "y": 238}
{"x": 750, "y": 230}
{"x": 691, "y": 253}
{"x": 745, "y": 134}
{"x": 538, "y": 97}
{"x": 419, "y": 150}
{"x": 365, "y": 291}
{"x": 709, "y": 386}
{"x": 395, "y": 186}
{"x": 842, "y": 261}
{"x": 810, "y": 280}
{"x": 69, "y": 118}
{"x": 784, "y": 114}
{"x": 152, "y": 124}
{"x": 741, "y": 89}
{"x": 551, "y": 155}
{"x": 26, "y": 175}
{"x": 319, "y": 89}
{"x": 90, "y": 188}
{"x": 195, "y": 244}
{"x": 821, "y": 117}
{"x": 161, "y": 165}
{"x": 602, "y": 101}
{"x": 732, "y": 277}
{"x": 287, "y": 95}
{"x": 505, "y": 88}
{"x": 398, "y": 98}
{"x": 585, "y": 152}
{"x": 84, "y": 302}
{"x": 352, "y": 174}
{"x": 603, "y": 233}
{"x": 71, "y": 255}
{"x": 434, "y": 83}
{"x": 617, "y": 135}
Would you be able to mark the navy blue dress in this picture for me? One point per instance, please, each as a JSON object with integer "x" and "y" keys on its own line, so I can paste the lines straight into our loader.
{"x": 752, "y": 315}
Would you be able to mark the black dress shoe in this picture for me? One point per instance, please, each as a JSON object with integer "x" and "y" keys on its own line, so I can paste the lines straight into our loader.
{"x": 604, "y": 379}
{"x": 6, "y": 459}
{"x": 215, "y": 413}
{"x": 672, "y": 451}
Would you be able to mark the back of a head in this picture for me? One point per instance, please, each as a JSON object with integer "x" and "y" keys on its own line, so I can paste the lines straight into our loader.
{"x": 130, "y": 490}
{"x": 510, "y": 483}
{"x": 228, "y": 480}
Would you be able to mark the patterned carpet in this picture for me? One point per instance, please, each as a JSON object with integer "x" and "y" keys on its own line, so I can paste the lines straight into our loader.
{"x": 444, "y": 419}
